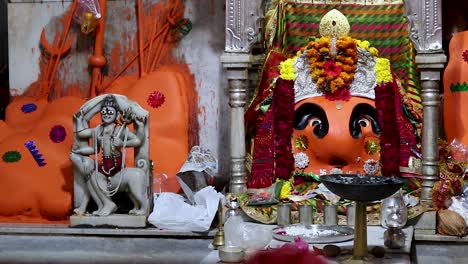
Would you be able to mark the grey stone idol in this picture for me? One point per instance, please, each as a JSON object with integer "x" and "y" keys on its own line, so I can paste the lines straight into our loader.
{"x": 100, "y": 171}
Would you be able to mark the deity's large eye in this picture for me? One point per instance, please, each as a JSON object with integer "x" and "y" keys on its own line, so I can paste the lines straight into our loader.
{"x": 362, "y": 116}
{"x": 315, "y": 122}
{"x": 107, "y": 111}
{"x": 364, "y": 122}
{"x": 313, "y": 115}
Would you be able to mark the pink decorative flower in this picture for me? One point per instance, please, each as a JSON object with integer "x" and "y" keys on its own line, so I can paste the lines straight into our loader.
{"x": 332, "y": 69}
{"x": 156, "y": 99}
{"x": 57, "y": 134}
{"x": 465, "y": 56}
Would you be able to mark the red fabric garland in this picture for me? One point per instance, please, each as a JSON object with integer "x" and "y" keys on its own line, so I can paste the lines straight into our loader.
{"x": 283, "y": 98}
{"x": 389, "y": 135}
{"x": 397, "y": 135}
{"x": 272, "y": 156}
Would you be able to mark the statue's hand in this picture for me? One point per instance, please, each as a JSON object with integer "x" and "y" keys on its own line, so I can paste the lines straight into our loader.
{"x": 117, "y": 142}
{"x": 127, "y": 116}
{"x": 75, "y": 147}
{"x": 139, "y": 121}
{"x": 78, "y": 115}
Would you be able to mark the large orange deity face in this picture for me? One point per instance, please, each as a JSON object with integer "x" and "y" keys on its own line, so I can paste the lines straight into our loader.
{"x": 336, "y": 136}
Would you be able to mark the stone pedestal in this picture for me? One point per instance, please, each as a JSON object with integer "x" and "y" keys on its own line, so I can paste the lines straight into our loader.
{"x": 114, "y": 220}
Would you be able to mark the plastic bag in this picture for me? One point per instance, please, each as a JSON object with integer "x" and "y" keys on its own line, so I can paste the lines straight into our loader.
{"x": 87, "y": 14}
{"x": 263, "y": 196}
{"x": 173, "y": 213}
{"x": 86, "y": 6}
{"x": 247, "y": 235}
{"x": 460, "y": 206}
{"x": 458, "y": 151}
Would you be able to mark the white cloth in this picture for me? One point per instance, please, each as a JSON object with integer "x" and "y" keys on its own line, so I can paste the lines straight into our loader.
{"x": 173, "y": 213}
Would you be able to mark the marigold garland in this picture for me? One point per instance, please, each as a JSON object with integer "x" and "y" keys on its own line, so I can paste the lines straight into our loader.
{"x": 333, "y": 74}
{"x": 287, "y": 71}
{"x": 366, "y": 45}
{"x": 382, "y": 71}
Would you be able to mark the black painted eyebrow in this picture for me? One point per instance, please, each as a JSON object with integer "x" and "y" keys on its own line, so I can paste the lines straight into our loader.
{"x": 304, "y": 112}
{"x": 359, "y": 111}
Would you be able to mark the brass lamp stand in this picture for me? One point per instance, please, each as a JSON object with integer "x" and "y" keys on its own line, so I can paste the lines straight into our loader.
{"x": 218, "y": 240}
{"x": 360, "y": 232}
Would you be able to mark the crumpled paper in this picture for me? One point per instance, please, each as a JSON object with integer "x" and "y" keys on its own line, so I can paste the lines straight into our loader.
{"x": 200, "y": 159}
{"x": 173, "y": 213}
{"x": 321, "y": 189}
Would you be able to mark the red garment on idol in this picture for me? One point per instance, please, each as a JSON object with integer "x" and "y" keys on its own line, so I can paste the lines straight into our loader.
{"x": 111, "y": 165}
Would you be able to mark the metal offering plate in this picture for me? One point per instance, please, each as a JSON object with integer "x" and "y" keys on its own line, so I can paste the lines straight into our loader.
{"x": 314, "y": 234}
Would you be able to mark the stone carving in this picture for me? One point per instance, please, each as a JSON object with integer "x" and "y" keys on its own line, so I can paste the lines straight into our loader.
{"x": 425, "y": 24}
{"x": 101, "y": 176}
{"x": 243, "y": 20}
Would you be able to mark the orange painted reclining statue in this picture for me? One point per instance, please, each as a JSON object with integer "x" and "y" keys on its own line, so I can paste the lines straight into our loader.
{"x": 36, "y": 175}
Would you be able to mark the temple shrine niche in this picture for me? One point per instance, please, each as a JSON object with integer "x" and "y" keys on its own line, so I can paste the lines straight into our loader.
{"x": 336, "y": 107}
{"x": 38, "y": 130}
{"x": 311, "y": 91}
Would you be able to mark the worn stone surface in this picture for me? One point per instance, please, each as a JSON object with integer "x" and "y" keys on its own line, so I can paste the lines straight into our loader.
{"x": 440, "y": 253}
{"x": 427, "y": 221}
{"x": 428, "y": 235}
{"x": 92, "y": 249}
{"x": 117, "y": 220}
{"x": 63, "y": 229}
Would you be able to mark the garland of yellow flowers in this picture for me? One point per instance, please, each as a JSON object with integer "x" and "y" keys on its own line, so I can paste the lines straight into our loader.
{"x": 332, "y": 74}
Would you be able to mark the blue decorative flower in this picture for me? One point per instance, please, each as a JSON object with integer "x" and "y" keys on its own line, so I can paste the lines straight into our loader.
{"x": 28, "y": 108}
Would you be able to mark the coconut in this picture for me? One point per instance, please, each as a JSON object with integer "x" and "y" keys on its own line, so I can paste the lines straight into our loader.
{"x": 451, "y": 223}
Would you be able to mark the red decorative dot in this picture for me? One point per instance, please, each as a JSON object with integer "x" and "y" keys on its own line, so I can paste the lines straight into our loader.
{"x": 465, "y": 56}
{"x": 156, "y": 99}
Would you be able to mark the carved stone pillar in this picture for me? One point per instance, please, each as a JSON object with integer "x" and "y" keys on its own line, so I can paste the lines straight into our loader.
{"x": 430, "y": 65}
{"x": 426, "y": 33}
{"x": 236, "y": 65}
{"x": 242, "y": 31}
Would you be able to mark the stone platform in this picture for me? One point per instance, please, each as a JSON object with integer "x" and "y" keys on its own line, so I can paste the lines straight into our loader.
{"x": 117, "y": 220}
{"x": 36, "y": 243}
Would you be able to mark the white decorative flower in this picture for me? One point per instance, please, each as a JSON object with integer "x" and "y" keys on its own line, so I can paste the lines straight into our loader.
{"x": 371, "y": 167}
{"x": 301, "y": 160}
{"x": 336, "y": 171}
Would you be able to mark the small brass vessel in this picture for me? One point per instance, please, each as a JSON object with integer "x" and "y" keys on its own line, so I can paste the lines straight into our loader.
{"x": 218, "y": 240}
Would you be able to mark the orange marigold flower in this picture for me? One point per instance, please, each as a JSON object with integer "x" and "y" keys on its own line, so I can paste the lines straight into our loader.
{"x": 323, "y": 50}
{"x": 346, "y": 68}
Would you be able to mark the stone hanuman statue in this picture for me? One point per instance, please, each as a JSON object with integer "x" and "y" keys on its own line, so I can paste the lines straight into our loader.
{"x": 105, "y": 173}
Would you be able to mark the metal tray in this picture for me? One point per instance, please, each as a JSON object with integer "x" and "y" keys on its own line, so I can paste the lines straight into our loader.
{"x": 314, "y": 234}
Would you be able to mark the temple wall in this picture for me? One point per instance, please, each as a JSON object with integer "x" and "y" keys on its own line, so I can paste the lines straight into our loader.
{"x": 200, "y": 50}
